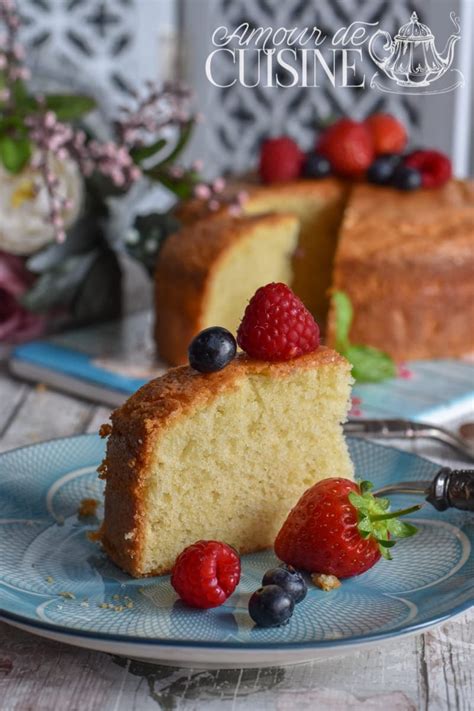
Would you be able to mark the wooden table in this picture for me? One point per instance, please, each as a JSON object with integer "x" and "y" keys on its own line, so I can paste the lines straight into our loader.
{"x": 431, "y": 671}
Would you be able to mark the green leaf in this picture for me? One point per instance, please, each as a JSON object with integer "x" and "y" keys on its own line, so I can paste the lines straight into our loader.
{"x": 183, "y": 189}
{"x": 401, "y": 529}
{"x": 369, "y": 364}
{"x": 343, "y": 319}
{"x": 184, "y": 136}
{"x": 385, "y": 553}
{"x": 68, "y": 107}
{"x": 143, "y": 152}
{"x": 357, "y": 500}
{"x": 365, "y": 486}
{"x": 385, "y": 543}
{"x": 14, "y": 153}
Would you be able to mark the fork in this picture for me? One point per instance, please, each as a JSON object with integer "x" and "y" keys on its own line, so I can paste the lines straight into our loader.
{"x": 398, "y": 428}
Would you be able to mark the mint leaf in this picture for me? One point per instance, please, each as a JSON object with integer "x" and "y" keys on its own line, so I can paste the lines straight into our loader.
{"x": 68, "y": 107}
{"x": 369, "y": 364}
{"x": 14, "y": 153}
{"x": 343, "y": 310}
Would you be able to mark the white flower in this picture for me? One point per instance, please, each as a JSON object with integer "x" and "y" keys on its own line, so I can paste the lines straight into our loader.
{"x": 24, "y": 210}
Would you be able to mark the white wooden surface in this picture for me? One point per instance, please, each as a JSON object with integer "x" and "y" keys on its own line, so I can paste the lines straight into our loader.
{"x": 433, "y": 671}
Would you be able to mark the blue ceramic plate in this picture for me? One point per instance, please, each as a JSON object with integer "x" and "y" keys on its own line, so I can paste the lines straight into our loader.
{"x": 54, "y": 581}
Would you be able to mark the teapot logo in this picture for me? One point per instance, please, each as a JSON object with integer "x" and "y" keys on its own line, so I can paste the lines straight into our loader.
{"x": 411, "y": 59}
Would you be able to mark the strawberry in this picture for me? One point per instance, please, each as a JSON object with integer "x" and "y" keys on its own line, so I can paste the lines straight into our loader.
{"x": 280, "y": 160}
{"x": 435, "y": 167}
{"x": 339, "y": 528}
{"x": 388, "y": 133}
{"x": 348, "y": 146}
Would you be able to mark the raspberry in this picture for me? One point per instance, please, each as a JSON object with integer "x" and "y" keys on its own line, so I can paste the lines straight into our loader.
{"x": 435, "y": 167}
{"x": 280, "y": 160}
{"x": 388, "y": 133}
{"x": 206, "y": 573}
{"x": 348, "y": 146}
{"x": 276, "y": 325}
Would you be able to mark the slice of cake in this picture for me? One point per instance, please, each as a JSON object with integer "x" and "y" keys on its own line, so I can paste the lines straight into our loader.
{"x": 220, "y": 456}
{"x": 406, "y": 261}
{"x": 207, "y": 272}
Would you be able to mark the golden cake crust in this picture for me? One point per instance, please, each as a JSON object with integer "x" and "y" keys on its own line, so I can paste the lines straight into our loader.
{"x": 406, "y": 260}
{"x": 184, "y": 270}
{"x": 137, "y": 424}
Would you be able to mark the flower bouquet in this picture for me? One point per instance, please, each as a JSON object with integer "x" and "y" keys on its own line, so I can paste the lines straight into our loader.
{"x": 58, "y": 264}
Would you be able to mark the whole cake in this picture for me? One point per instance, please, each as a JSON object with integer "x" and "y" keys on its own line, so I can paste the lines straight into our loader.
{"x": 220, "y": 456}
{"x": 402, "y": 258}
{"x": 398, "y": 255}
{"x": 391, "y": 229}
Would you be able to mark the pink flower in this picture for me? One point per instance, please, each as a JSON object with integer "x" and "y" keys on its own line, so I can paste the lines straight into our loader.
{"x": 16, "y": 323}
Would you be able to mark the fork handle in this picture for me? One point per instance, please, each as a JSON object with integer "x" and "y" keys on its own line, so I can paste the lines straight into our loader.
{"x": 452, "y": 488}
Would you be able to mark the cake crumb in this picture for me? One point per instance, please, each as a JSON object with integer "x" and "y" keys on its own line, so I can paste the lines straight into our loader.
{"x": 87, "y": 507}
{"x": 94, "y": 536}
{"x": 49, "y": 579}
{"x": 325, "y": 582}
{"x": 40, "y": 388}
{"x": 105, "y": 430}
{"x": 67, "y": 595}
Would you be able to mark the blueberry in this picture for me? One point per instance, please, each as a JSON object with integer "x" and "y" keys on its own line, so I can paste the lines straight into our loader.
{"x": 406, "y": 178}
{"x": 270, "y": 606}
{"x": 382, "y": 169}
{"x": 212, "y": 349}
{"x": 289, "y": 579}
{"x": 316, "y": 166}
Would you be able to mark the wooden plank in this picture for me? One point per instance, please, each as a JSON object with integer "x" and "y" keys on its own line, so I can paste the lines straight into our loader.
{"x": 446, "y": 669}
{"x": 12, "y": 393}
{"x": 58, "y": 676}
{"x": 45, "y": 414}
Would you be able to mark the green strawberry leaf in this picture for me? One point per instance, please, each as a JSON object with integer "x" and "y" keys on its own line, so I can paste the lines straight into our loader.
{"x": 14, "y": 153}
{"x": 375, "y": 520}
{"x": 401, "y": 529}
{"x": 365, "y": 486}
{"x": 370, "y": 364}
{"x": 385, "y": 543}
{"x": 357, "y": 500}
{"x": 343, "y": 319}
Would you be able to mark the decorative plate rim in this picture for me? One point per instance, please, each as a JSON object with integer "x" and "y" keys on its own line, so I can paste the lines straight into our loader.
{"x": 235, "y": 646}
{"x": 371, "y": 637}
